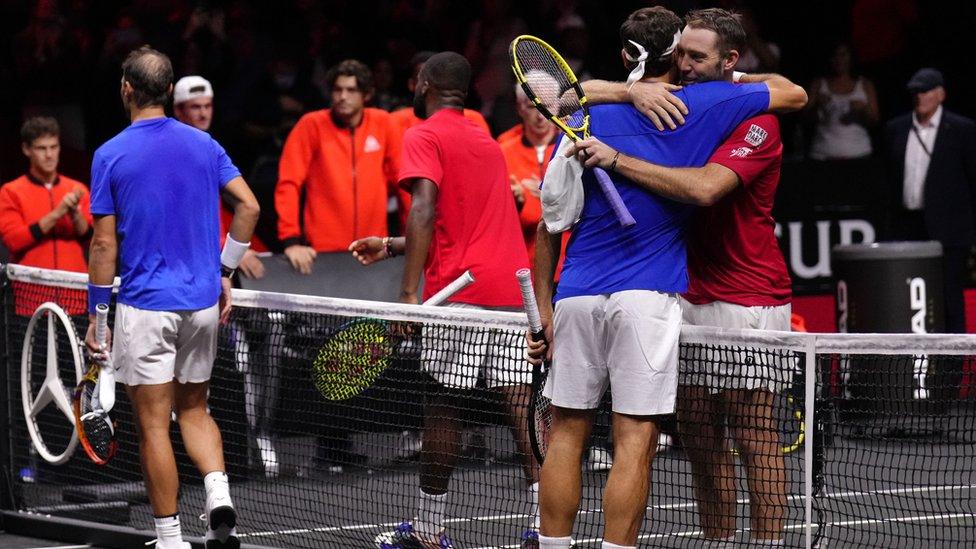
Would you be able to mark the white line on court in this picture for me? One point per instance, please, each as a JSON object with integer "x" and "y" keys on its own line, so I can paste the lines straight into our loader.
{"x": 86, "y": 546}
{"x": 663, "y": 507}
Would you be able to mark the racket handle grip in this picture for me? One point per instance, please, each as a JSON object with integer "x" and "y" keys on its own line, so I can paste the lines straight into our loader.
{"x": 613, "y": 197}
{"x": 101, "y": 323}
{"x": 529, "y": 303}
{"x": 460, "y": 283}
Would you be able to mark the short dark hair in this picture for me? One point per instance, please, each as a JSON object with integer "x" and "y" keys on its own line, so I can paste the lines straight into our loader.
{"x": 351, "y": 67}
{"x": 418, "y": 60}
{"x": 654, "y": 29}
{"x": 448, "y": 71}
{"x": 724, "y": 23}
{"x": 38, "y": 126}
{"x": 150, "y": 74}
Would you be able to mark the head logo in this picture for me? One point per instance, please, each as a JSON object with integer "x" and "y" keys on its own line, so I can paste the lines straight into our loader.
{"x": 740, "y": 152}
{"x": 916, "y": 297}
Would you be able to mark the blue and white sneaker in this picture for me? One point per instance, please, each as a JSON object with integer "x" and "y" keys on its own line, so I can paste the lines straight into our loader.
{"x": 405, "y": 537}
{"x": 530, "y": 539}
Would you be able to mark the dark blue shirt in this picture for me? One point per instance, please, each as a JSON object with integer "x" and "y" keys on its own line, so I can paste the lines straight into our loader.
{"x": 602, "y": 257}
{"x": 161, "y": 179}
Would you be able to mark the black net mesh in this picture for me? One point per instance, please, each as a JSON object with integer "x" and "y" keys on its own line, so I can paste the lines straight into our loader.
{"x": 893, "y": 466}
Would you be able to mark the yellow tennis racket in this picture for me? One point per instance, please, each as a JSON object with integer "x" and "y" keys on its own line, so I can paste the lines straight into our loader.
{"x": 555, "y": 92}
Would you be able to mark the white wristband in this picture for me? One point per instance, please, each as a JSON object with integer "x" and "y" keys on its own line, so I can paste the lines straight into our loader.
{"x": 233, "y": 252}
{"x": 736, "y": 76}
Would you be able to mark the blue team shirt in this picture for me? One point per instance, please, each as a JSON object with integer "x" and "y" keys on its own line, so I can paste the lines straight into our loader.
{"x": 161, "y": 179}
{"x": 602, "y": 257}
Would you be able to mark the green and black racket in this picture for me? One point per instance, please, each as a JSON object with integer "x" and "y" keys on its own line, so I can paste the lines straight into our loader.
{"x": 357, "y": 352}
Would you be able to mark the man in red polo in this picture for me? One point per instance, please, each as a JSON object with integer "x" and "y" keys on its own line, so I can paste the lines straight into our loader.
{"x": 460, "y": 219}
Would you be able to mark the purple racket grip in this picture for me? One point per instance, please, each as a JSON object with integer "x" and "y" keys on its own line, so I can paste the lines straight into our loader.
{"x": 617, "y": 203}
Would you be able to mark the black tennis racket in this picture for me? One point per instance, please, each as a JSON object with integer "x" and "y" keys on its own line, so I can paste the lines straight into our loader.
{"x": 94, "y": 398}
{"x": 540, "y": 407}
{"x": 551, "y": 85}
{"x": 358, "y": 351}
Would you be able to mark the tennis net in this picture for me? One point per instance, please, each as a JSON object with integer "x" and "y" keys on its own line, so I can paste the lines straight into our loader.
{"x": 867, "y": 440}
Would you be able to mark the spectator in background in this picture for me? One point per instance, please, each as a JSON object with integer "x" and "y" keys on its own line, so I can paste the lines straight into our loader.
{"x": 487, "y": 50}
{"x": 758, "y": 55}
{"x": 527, "y": 158}
{"x": 383, "y": 79}
{"x": 404, "y": 119}
{"x": 574, "y": 44}
{"x": 193, "y": 106}
{"x": 341, "y": 159}
{"x": 931, "y": 157}
{"x": 846, "y": 108}
{"x": 44, "y": 216}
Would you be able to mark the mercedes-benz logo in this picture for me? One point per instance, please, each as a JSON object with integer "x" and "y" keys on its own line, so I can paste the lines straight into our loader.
{"x": 52, "y": 390}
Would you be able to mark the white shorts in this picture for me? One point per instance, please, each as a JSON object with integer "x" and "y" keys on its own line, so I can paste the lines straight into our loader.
{"x": 628, "y": 340}
{"x": 455, "y": 356}
{"x": 155, "y": 347}
{"x": 720, "y": 369}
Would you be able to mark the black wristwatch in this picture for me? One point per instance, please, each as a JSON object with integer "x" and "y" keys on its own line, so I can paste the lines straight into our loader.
{"x": 227, "y": 272}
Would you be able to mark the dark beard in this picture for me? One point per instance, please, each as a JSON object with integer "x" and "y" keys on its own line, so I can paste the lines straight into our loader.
{"x": 420, "y": 106}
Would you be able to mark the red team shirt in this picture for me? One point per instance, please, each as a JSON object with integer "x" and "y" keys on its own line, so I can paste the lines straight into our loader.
{"x": 476, "y": 226}
{"x": 733, "y": 255}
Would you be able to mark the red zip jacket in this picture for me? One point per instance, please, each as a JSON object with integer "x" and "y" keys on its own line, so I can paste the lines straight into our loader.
{"x": 23, "y": 202}
{"x": 346, "y": 174}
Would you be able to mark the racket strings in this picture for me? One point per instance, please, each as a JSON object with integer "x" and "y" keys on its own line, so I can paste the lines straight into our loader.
{"x": 550, "y": 83}
{"x": 95, "y": 426}
{"x": 352, "y": 359}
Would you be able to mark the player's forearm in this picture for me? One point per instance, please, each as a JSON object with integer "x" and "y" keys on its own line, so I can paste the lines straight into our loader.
{"x": 420, "y": 231}
{"x": 547, "y": 249}
{"x": 784, "y": 95}
{"x": 687, "y": 185}
{"x": 102, "y": 258}
{"x": 603, "y": 91}
{"x": 245, "y": 219}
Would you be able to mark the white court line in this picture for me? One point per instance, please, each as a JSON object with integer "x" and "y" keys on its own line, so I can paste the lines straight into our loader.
{"x": 794, "y": 526}
{"x": 663, "y": 507}
{"x": 63, "y": 547}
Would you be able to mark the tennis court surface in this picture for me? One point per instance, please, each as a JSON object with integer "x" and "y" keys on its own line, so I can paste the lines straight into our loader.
{"x": 878, "y": 434}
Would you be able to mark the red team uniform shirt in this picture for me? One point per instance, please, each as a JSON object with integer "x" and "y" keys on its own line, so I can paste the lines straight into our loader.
{"x": 733, "y": 255}
{"x": 476, "y": 226}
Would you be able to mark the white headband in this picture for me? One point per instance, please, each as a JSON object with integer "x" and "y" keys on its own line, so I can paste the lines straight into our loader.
{"x": 642, "y": 56}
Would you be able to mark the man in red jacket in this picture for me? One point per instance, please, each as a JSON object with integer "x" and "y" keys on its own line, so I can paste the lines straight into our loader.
{"x": 44, "y": 216}
{"x": 341, "y": 159}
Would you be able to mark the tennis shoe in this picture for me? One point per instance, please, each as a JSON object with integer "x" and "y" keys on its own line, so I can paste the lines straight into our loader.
{"x": 405, "y": 537}
{"x": 530, "y": 539}
{"x": 221, "y": 523}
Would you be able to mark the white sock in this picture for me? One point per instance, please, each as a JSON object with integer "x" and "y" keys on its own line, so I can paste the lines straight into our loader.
{"x": 546, "y": 542}
{"x": 534, "y": 506}
{"x": 218, "y": 490}
{"x": 430, "y": 514}
{"x": 608, "y": 545}
{"x": 768, "y": 542}
{"x": 168, "y": 533}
